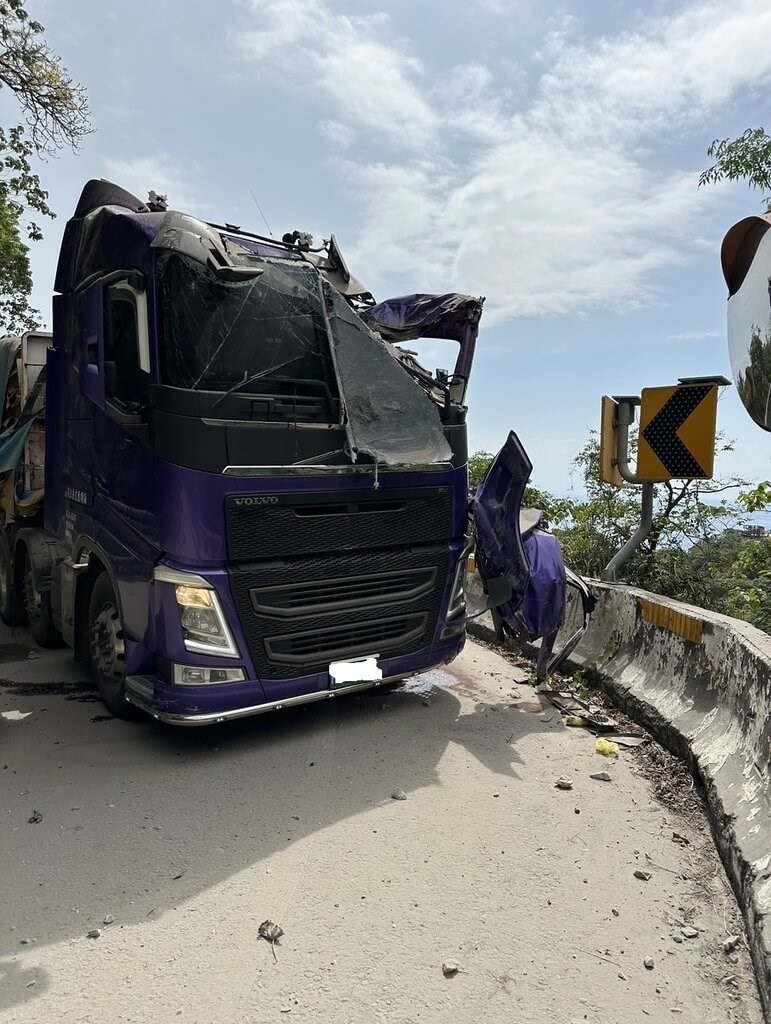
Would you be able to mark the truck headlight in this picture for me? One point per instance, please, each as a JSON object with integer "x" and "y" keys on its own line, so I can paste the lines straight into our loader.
{"x": 203, "y": 625}
{"x": 458, "y": 598}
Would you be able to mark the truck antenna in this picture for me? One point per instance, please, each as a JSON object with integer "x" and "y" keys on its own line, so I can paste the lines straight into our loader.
{"x": 254, "y": 197}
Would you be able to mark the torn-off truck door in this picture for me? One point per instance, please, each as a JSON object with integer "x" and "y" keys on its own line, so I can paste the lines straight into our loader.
{"x": 521, "y": 565}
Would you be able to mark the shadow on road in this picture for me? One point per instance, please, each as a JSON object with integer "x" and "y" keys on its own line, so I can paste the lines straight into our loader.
{"x": 137, "y": 818}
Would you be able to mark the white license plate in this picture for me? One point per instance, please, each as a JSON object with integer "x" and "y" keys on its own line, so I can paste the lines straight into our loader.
{"x": 349, "y": 673}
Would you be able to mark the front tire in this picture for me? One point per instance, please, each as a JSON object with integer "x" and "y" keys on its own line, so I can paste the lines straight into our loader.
{"x": 107, "y": 649}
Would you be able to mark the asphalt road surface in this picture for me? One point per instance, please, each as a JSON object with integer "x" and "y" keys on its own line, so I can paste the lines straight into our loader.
{"x": 185, "y": 841}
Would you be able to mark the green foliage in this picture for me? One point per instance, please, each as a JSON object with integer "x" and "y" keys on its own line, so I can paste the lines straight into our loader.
{"x": 757, "y": 498}
{"x": 55, "y": 114}
{"x": 747, "y": 158}
{"x": 478, "y": 464}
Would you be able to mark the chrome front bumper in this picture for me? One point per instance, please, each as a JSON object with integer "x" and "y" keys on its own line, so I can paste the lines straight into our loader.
{"x": 139, "y": 693}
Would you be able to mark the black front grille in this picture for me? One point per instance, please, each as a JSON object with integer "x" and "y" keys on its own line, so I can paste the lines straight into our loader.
{"x": 377, "y": 636}
{"x": 298, "y": 614}
{"x": 270, "y": 525}
{"x": 291, "y": 599}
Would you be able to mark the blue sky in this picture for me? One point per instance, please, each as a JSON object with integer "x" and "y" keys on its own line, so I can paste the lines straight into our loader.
{"x": 544, "y": 155}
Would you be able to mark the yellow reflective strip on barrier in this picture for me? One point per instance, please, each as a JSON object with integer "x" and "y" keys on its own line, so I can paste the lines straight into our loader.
{"x": 672, "y": 620}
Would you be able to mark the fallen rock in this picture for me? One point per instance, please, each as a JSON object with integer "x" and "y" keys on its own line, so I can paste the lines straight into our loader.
{"x": 644, "y": 876}
{"x": 689, "y": 933}
{"x": 731, "y": 943}
{"x": 94, "y": 933}
{"x": 398, "y": 794}
{"x": 450, "y": 967}
{"x": 563, "y": 782}
{"x": 648, "y": 963}
{"x": 602, "y": 777}
{"x": 35, "y": 818}
{"x": 109, "y": 919}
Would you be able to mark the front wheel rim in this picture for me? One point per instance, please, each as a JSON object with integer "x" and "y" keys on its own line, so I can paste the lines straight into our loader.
{"x": 108, "y": 648}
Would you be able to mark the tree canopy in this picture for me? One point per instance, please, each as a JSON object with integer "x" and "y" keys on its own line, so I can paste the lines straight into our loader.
{"x": 747, "y": 158}
{"x": 53, "y": 114}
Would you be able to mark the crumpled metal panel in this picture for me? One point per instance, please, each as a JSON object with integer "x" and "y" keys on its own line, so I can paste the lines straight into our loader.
{"x": 389, "y": 416}
{"x": 424, "y": 316}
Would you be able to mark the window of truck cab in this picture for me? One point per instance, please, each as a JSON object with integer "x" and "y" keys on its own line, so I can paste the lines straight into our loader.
{"x": 261, "y": 338}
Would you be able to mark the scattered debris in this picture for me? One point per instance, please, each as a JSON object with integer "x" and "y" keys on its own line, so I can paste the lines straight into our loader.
{"x": 731, "y": 943}
{"x": 175, "y": 878}
{"x": 689, "y": 933}
{"x": 606, "y": 748}
{"x": 398, "y": 794}
{"x": 31, "y": 984}
{"x": 36, "y": 818}
{"x": 271, "y": 933}
{"x": 563, "y": 782}
{"x": 576, "y": 723}
{"x": 450, "y": 968}
{"x": 680, "y": 840}
{"x": 627, "y": 739}
{"x": 597, "y": 956}
{"x": 94, "y": 933}
{"x": 602, "y": 777}
{"x": 648, "y": 963}
{"x": 109, "y": 919}
{"x": 644, "y": 876}
{"x": 622, "y": 976}
{"x": 580, "y": 713}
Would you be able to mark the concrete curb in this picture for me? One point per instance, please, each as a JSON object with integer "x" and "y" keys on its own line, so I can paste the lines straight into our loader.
{"x": 701, "y": 684}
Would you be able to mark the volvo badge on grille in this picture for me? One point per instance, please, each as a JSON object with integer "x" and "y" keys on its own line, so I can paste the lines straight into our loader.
{"x": 260, "y": 499}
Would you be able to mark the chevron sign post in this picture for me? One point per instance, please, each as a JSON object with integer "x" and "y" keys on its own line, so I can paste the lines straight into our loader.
{"x": 677, "y": 432}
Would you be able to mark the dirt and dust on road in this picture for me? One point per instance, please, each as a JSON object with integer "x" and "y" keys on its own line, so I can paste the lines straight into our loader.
{"x": 412, "y": 846}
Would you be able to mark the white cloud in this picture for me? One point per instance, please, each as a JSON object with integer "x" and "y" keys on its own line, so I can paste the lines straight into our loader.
{"x": 375, "y": 82}
{"x": 697, "y": 335}
{"x": 550, "y": 203}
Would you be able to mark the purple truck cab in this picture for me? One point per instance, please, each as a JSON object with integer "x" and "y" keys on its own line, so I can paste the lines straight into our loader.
{"x": 247, "y": 493}
{"x": 254, "y": 493}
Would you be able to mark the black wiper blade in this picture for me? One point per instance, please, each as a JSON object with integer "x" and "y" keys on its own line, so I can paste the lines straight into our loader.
{"x": 254, "y": 377}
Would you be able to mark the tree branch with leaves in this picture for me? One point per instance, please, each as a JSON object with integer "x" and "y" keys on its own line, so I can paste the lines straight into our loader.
{"x": 55, "y": 115}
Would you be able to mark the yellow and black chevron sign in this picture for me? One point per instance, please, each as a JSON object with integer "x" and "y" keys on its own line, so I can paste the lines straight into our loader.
{"x": 677, "y": 433}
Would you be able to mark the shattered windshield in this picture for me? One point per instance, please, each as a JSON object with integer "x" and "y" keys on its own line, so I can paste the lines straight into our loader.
{"x": 262, "y": 333}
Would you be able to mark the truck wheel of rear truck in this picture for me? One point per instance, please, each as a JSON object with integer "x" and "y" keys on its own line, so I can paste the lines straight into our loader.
{"x": 107, "y": 650}
{"x": 11, "y": 604}
{"x": 37, "y": 605}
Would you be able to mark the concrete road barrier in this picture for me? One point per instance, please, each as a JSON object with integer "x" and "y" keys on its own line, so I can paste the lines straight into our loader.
{"x": 701, "y": 683}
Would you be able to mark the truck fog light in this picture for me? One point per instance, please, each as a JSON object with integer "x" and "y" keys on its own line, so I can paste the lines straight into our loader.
{"x": 191, "y": 675}
{"x": 203, "y": 625}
